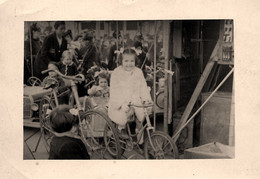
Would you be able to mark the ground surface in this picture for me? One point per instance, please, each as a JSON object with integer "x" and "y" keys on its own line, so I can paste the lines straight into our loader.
{"x": 41, "y": 152}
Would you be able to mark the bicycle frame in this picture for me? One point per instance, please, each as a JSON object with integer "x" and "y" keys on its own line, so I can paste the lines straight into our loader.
{"x": 148, "y": 126}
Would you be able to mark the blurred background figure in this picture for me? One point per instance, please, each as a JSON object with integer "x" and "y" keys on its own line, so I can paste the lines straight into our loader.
{"x": 116, "y": 44}
{"x": 31, "y": 47}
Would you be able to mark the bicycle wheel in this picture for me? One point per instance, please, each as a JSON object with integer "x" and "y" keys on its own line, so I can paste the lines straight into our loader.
{"x": 164, "y": 147}
{"x": 111, "y": 142}
{"x": 46, "y": 106}
{"x": 160, "y": 99}
{"x": 100, "y": 133}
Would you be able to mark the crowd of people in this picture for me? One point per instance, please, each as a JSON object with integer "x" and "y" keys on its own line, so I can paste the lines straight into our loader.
{"x": 124, "y": 58}
{"x": 86, "y": 50}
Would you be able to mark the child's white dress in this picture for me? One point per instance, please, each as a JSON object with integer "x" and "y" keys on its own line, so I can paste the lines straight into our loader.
{"x": 127, "y": 87}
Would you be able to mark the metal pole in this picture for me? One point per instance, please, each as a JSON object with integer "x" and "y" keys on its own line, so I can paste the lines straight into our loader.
{"x": 117, "y": 55}
{"x": 117, "y": 35}
{"x": 30, "y": 38}
{"x": 166, "y": 32}
{"x": 154, "y": 76}
{"x": 175, "y": 137}
{"x": 231, "y": 140}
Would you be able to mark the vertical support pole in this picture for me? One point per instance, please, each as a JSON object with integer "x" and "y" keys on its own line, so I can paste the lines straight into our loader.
{"x": 109, "y": 29}
{"x": 166, "y": 35}
{"x": 201, "y": 47}
{"x": 175, "y": 86}
{"x": 154, "y": 74}
{"x": 30, "y": 36}
{"x": 106, "y": 24}
{"x": 124, "y": 27}
{"x": 124, "y": 32}
{"x": 177, "y": 52}
{"x": 170, "y": 94}
{"x": 98, "y": 30}
{"x": 80, "y": 27}
{"x": 231, "y": 140}
{"x": 138, "y": 26}
{"x": 77, "y": 27}
{"x": 117, "y": 31}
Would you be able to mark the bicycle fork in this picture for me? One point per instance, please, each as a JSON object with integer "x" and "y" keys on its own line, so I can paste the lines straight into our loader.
{"x": 148, "y": 129}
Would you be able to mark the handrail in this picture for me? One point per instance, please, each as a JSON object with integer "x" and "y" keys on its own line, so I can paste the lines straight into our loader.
{"x": 63, "y": 76}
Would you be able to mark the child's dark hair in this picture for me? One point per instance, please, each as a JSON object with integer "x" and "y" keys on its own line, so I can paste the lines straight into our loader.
{"x": 128, "y": 51}
{"x": 58, "y": 24}
{"x": 102, "y": 75}
{"x": 68, "y": 33}
{"x": 61, "y": 120}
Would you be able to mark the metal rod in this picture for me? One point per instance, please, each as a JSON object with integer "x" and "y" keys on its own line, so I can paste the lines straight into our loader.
{"x": 154, "y": 77}
{"x": 170, "y": 95}
{"x": 166, "y": 32}
{"x": 210, "y": 96}
{"x": 116, "y": 35}
{"x": 30, "y": 38}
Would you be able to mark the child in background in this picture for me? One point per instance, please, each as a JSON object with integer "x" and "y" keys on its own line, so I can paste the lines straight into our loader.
{"x": 66, "y": 65}
{"x": 101, "y": 88}
{"x": 52, "y": 75}
{"x": 65, "y": 146}
{"x": 127, "y": 86}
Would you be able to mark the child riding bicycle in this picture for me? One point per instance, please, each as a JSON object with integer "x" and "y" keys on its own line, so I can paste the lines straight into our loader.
{"x": 127, "y": 86}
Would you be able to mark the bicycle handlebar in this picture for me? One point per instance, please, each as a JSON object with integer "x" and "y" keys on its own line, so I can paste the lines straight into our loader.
{"x": 142, "y": 106}
{"x": 63, "y": 76}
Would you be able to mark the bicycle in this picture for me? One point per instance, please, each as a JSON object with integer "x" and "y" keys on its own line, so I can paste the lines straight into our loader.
{"x": 91, "y": 138}
{"x": 157, "y": 145}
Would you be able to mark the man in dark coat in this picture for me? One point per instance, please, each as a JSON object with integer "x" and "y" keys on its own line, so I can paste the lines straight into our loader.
{"x": 113, "y": 56}
{"x": 52, "y": 49}
{"x": 88, "y": 53}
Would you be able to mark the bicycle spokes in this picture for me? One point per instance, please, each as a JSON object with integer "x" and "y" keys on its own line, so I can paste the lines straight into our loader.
{"x": 160, "y": 146}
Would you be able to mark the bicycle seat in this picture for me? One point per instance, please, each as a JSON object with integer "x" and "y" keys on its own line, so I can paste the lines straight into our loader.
{"x": 49, "y": 85}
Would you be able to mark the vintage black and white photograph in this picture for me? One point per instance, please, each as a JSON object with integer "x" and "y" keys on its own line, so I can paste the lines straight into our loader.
{"x": 128, "y": 89}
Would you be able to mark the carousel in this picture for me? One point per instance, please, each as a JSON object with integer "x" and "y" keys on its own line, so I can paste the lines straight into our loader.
{"x": 187, "y": 67}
